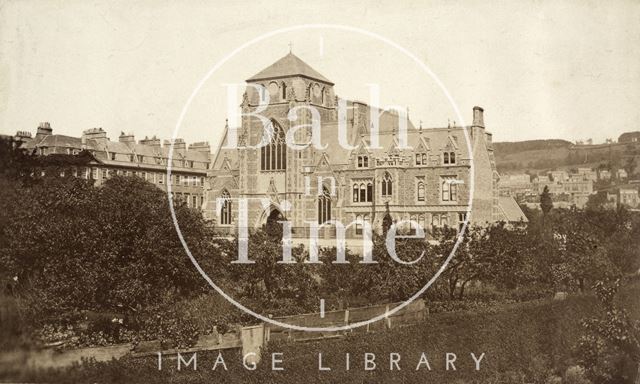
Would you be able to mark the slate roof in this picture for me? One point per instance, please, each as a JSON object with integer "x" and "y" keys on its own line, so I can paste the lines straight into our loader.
{"x": 290, "y": 65}
{"x": 510, "y": 210}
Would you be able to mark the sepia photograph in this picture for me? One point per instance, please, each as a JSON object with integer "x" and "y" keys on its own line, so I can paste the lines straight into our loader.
{"x": 418, "y": 191}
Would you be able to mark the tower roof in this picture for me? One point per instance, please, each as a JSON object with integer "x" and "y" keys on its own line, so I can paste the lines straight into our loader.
{"x": 289, "y": 65}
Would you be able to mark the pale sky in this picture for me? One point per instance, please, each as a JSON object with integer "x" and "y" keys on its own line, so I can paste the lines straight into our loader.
{"x": 540, "y": 69}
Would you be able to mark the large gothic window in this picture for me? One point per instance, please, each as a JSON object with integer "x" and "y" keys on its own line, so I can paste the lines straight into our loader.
{"x": 273, "y": 157}
{"x": 225, "y": 212}
{"x": 324, "y": 206}
{"x": 387, "y": 185}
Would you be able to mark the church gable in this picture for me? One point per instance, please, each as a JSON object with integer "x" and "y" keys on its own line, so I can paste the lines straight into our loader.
{"x": 452, "y": 143}
{"x": 323, "y": 164}
{"x": 424, "y": 145}
{"x": 226, "y": 164}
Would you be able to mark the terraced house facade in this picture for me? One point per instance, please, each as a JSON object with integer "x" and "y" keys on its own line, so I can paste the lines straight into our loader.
{"x": 147, "y": 159}
{"x": 428, "y": 183}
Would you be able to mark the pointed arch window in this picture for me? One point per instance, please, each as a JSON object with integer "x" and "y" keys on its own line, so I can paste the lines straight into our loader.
{"x": 420, "y": 190}
{"x": 449, "y": 157}
{"x": 421, "y": 159}
{"x": 387, "y": 185}
{"x": 225, "y": 212}
{"x": 363, "y": 161}
{"x": 273, "y": 157}
{"x": 284, "y": 91}
{"x": 363, "y": 193}
{"x": 324, "y": 206}
{"x": 449, "y": 189}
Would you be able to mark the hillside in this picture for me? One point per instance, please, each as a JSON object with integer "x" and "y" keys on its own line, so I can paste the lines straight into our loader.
{"x": 540, "y": 155}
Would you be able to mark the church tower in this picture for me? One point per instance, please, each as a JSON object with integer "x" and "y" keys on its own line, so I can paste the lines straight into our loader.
{"x": 290, "y": 87}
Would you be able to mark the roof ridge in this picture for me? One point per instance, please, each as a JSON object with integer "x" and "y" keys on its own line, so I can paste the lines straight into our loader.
{"x": 289, "y": 65}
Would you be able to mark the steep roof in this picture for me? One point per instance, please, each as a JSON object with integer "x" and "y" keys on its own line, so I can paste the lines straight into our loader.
{"x": 289, "y": 65}
{"x": 510, "y": 210}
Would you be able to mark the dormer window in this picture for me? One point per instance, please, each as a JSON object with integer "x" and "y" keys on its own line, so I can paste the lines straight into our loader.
{"x": 421, "y": 159}
{"x": 363, "y": 161}
{"x": 449, "y": 158}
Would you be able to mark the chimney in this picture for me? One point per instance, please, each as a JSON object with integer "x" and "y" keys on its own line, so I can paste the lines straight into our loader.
{"x": 152, "y": 142}
{"x": 478, "y": 117}
{"x": 23, "y": 135}
{"x": 127, "y": 138}
{"x": 178, "y": 144}
{"x": 44, "y": 129}
{"x": 97, "y": 134}
{"x": 202, "y": 146}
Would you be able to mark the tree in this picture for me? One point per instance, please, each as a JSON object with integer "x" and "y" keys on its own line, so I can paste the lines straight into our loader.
{"x": 596, "y": 201}
{"x": 267, "y": 284}
{"x": 492, "y": 254}
{"x": 387, "y": 221}
{"x": 614, "y": 326}
{"x": 72, "y": 246}
{"x": 546, "y": 204}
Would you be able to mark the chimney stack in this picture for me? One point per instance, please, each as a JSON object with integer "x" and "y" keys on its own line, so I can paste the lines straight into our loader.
{"x": 202, "y": 146}
{"x": 178, "y": 144}
{"x": 127, "y": 138}
{"x": 97, "y": 134}
{"x": 152, "y": 142}
{"x": 23, "y": 135}
{"x": 44, "y": 129}
{"x": 478, "y": 117}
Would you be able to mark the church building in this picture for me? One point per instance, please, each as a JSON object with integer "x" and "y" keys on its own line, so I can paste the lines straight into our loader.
{"x": 428, "y": 183}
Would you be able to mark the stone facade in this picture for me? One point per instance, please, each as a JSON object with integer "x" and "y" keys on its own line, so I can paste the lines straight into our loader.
{"x": 422, "y": 178}
{"x": 147, "y": 159}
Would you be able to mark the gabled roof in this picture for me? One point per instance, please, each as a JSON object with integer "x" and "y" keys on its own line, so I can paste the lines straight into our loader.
{"x": 290, "y": 65}
{"x": 510, "y": 210}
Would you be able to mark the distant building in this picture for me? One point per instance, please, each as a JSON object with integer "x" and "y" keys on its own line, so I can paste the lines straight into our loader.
{"x": 515, "y": 185}
{"x": 147, "y": 159}
{"x": 565, "y": 189}
{"x": 625, "y": 195}
{"x": 629, "y": 137}
{"x": 604, "y": 174}
{"x": 621, "y": 174}
{"x": 588, "y": 173}
{"x": 559, "y": 176}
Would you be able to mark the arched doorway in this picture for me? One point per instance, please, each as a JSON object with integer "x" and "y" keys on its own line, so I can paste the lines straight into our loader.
{"x": 271, "y": 224}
